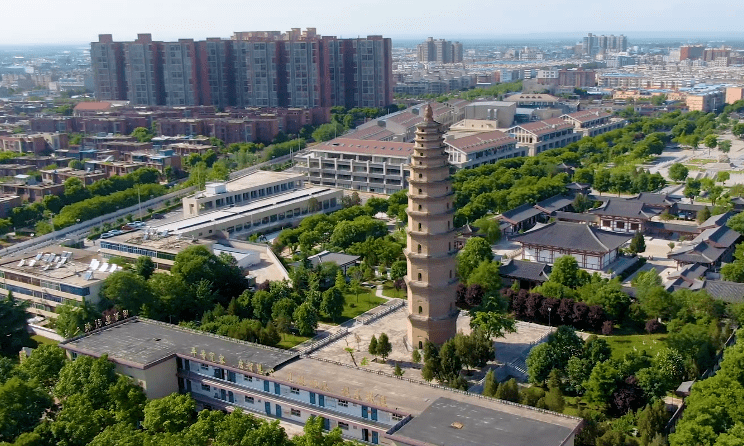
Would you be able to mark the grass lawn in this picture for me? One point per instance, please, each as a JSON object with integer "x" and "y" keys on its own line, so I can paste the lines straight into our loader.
{"x": 353, "y": 307}
{"x": 389, "y": 290}
{"x": 701, "y": 161}
{"x": 42, "y": 340}
{"x": 572, "y": 407}
{"x": 622, "y": 344}
{"x": 290, "y": 340}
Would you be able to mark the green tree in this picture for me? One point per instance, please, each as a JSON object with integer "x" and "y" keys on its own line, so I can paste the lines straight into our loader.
{"x": 566, "y": 272}
{"x": 602, "y": 180}
{"x": 172, "y": 413}
{"x": 144, "y": 266}
{"x": 75, "y": 190}
{"x": 398, "y": 270}
{"x": 554, "y": 398}
{"x": 75, "y": 164}
{"x": 71, "y": 319}
{"x": 327, "y": 132}
{"x": 489, "y": 384}
{"x": 416, "y": 356}
{"x": 384, "y": 347}
{"x": 21, "y": 405}
{"x": 710, "y": 141}
{"x": 53, "y": 203}
{"x": 638, "y": 243}
{"x": 333, "y": 303}
{"x": 490, "y": 228}
{"x": 142, "y": 134}
{"x": 306, "y": 319}
{"x": 678, "y": 172}
{"x": 703, "y": 215}
{"x": 724, "y": 145}
{"x": 508, "y": 391}
{"x": 486, "y": 274}
{"x": 13, "y": 334}
{"x": 494, "y": 324}
{"x": 127, "y": 290}
{"x": 476, "y": 250}
{"x": 450, "y": 362}
{"x": 43, "y": 365}
{"x": 372, "y": 348}
{"x": 540, "y": 361}
{"x": 602, "y": 382}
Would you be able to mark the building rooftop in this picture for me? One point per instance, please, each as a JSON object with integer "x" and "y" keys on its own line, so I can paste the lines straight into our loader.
{"x": 573, "y": 236}
{"x": 366, "y": 147}
{"x": 529, "y": 97}
{"x": 481, "y": 141}
{"x": 625, "y": 208}
{"x": 519, "y": 214}
{"x": 544, "y": 127}
{"x": 521, "y": 269}
{"x": 407, "y": 396}
{"x": 375, "y": 133}
{"x": 239, "y": 212}
{"x": 448, "y": 422}
{"x": 732, "y": 292}
{"x": 717, "y": 220}
{"x": 142, "y": 343}
{"x": 554, "y": 203}
{"x": 587, "y": 115}
{"x": 62, "y": 265}
{"x": 338, "y": 258}
{"x": 255, "y": 179}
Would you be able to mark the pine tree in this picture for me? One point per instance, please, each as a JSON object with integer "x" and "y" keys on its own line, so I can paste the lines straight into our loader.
{"x": 384, "y": 347}
{"x": 489, "y": 384}
{"x": 638, "y": 243}
{"x": 398, "y": 371}
{"x": 416, "y": 356}
{"x": 372, "y": 349}
{"x": 554, "y": 398}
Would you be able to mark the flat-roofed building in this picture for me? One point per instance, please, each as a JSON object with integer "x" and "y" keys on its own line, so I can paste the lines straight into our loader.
{"x": 372, "y": 407}
{"x": 540, "y": 136}
{"x": 482, "y": 148}
{"x": 54, "y": 276}
{"x": 256, "y": 186}
{"x": 593, "y": 122}
{"x": 7, "y": 203}
{"x": 533, "y": 100}
{"x": 368, "y": 166}
{"x": 269, "y": 213}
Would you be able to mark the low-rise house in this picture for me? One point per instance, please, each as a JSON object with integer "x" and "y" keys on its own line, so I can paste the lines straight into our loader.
{"x": 482, "y": 148}
{"x": 624, "y": 215}
{"x": 540, "y": 136}
{"x": 711, "y": 248}
{"x": 593, "y": 122}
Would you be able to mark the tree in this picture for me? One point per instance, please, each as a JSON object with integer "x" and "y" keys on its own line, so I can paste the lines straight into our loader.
{"x": 372, "y": 349}
{"x": 508, "y": 391}
{"x": 489, "y": 384}
{"x": 13, "y": 324}
{"x": 416, "y": 356}
{"x": 539, "y": 363}
{"x": 476, "y": 250}
{"x": 486, "y": 274}
{"x": 602, "y": 382}
{"x": 306, "y": 319}
{"x": 602, "y": 180}
{"x": 127, "y": 290}
{"x": 21, "y": 405}
{"x": 197, "y": 263}
{"x": 75, "y": 164}
{"x": 142, "y": 134}
{"x": 637, "y": 243}
{"x": 398, "y": 270}
{"x": 43, "y": 365}
{"x": 692, "y": 188}
{"x": 554, "y": 398}
{"x": 493, "y": 324}
{"x": 566, "y": 272}
{"x": 384, "y": 347}
{"x": 710, "y": 141}
{"x": 724, "y": 146}
{"x": 678, "y": 172}
{"x": 652, "y": 420}
{"x": 71, "y": 319}
{"x": 75, "y": 190}
{"x": 450, "y": 362}
{"x": 333, "y": 303}
{"x": 490, "y": 228}
{"x": 53, "y": 203}
{"x": 171, "y": 414}
{"x": 144, "y": 266}
{"x": 398, "y": 371}
{"x": 703, "y": 215}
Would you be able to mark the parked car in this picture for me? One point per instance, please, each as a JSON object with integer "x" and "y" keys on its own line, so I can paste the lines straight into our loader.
{"x": 107, "y": 235}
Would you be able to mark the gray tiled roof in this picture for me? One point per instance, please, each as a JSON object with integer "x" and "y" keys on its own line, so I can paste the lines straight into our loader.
{"x": 722, "y": 237}
{"x": 519, "y": 214}
{"x": 575, "y": 216}
{"x": 573, "y": 236}
{"x": 625, "y": 208}
{"x": 673, "y": 227}
{"x": 717, "y": 220}
{"x": 727, "y": 291}
{"x": 653, "y": 199}
{"x": 554, "y": 203}
{"x": 521, "y": 269}
{"x": 700, "y": 253}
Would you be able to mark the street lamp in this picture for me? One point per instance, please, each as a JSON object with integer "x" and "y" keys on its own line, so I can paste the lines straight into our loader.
{"x": 550, "y": 310}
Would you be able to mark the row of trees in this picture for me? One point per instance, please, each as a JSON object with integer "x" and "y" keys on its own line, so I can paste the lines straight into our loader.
{"x": 547, "y": 310}
{"x": 446, "y": 362}
{"x": 47, "y": 400}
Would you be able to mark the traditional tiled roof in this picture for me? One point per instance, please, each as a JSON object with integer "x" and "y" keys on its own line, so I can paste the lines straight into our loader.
{"x": 625, "y": 208}
{"x": 521, "y": 269}
{"x": 575, "y": 216}
{"x": 573, "y": 236}
{"x": 652, "y": 199}
{"x": 673, "y": 227}
{"x": 716, "y": 220}
{"x": 727, "y": 291}
{"x": 362, "y": 146}
{"x": 554, "y": 203}
{"x": 519, "y": 214}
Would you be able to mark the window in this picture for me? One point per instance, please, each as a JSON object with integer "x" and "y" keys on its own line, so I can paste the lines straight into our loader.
{"x": 294, "y": 390}
{"x": 248, "y": 378}
{"x": 395, "y": 416}
{"x": 205, "y": 387}
{"x": 203, "y": 366}
{"x": 343, "y": 403}
{"x": 421, "y": 310}
{"x": 621, "y": 225}
{"x": 419, "y": 226}
{"x": 419, "y": 207}
{"x": 343, "y": 426}
{"x": 419, "y": 276}
{"x": 606, "y": 223}
{"x": 419, "y": 249}
{"x": 295, "y": 412}
{"x": 634, "y": 226}
{"x": 249, "y": 400}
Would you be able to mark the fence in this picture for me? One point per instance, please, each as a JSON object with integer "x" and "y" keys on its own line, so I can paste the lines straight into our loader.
{"x": 366, "y": 318}
{"x": 83, "y": 227}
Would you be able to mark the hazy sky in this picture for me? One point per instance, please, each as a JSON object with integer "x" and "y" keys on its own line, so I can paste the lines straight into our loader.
{"x": 80, "y": 21}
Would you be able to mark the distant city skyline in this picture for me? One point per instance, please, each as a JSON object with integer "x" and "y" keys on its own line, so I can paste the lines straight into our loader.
{"x": 48, "y": 22}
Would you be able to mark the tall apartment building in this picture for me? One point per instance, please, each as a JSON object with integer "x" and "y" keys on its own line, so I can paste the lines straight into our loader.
{"x": 440, "y": 50}
{"x": 593, "y": 44}
{"x": 107, "y": 58}
{"x": 252, "y": 69}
